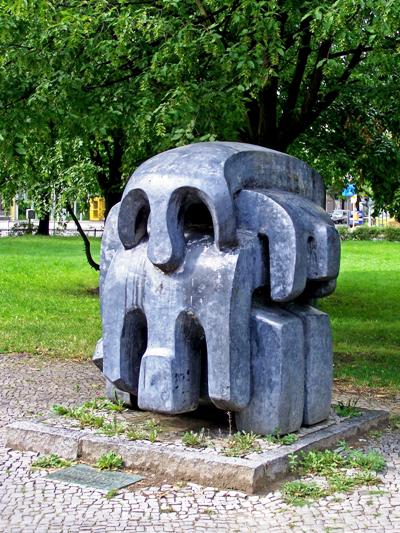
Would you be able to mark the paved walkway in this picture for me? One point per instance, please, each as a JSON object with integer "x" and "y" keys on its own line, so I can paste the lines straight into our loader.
{"x": 30, "y": 503}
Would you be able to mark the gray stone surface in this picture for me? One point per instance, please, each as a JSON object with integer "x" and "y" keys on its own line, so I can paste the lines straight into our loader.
{"x": 277, "y": 373}
{"x": 205, "y": 235}
{"x": 31, "y": 503}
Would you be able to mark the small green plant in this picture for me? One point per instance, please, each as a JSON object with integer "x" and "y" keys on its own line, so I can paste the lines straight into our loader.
{"x": 302, "y": 492}
{"x": 241, "y": 444}
{"x": 194, "y": 439}
{"x": 371, "y": 461}
{"x": 82, "y": 414}
{"x": 147, "y": 431}
{"x": 394, "y": 422}
{"x": 111, "y": 494}
{"x": 50, "y": 461}
{"x": 284, "y": 440}
{"x": 136, "y": 434}
{"x": 153, "y": 429}
{"x": 343, "y": 470}
{"x": 110, "y": 461}
{"x": 60, "y": 410}
{"x": 375, "y": 434}
{"x": 347, "y": 410}
{"x": 113, "y": 428}
{"x": 103, "y": 404}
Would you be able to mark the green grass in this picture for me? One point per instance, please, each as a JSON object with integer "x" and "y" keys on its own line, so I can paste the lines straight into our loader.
{"x": 365, "y": 314}
{"x": 110, "y": 461}
{"x": 341, "y": 470}
{"x": 46, "y": 304}
{"x": 51, "y": 461}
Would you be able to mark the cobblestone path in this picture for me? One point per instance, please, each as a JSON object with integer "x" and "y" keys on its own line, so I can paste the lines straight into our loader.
{"x": 31, "y": 503}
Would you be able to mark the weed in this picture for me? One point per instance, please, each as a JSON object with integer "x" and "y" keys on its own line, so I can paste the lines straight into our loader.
{"x": 147, "y": 431}
{"x": 375, "y": 434}
{"x": 195, "y": 439}
{"x": 319, "y": 462}
{"x": 113, "y": 428}
{"x": 370, "y": 461}
{"x": 334, "y": 466}
{"x": 60, "y": 410}
{"x": 284, "y": 440}
{"x": 153, "y": 429}
{"x": 111, "y": 494}
{"x": 241, "y": 444}
{"x": 394, "y": 422}
{"x": 103, "y": 404}
{"x": 347, "y": 410}
{"x": 136, "y": 434}
{"x": 327, "y": 462}
{"x": 84, "y": 416}
{"x": 110, "y": 461}
{"x": 50, "y": 461}
{"x": 302, "y": 492}
{"x": 166, "y": 509}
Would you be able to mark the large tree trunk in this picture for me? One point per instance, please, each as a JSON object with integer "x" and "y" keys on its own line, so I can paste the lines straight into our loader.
{"x": 44, "y": 225}
{"x": 111, "y": 198}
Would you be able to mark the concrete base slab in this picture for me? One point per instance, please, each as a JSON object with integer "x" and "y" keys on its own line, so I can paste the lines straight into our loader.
{"x": 254, "y": 473}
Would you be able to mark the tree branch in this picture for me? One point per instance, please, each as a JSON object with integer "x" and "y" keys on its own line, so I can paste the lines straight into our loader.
{"x": 86, "y": 241}
{"x": 294, "y": 87}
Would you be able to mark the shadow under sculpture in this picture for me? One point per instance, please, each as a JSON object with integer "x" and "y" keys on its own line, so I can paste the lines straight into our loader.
{"x": 208, "y": 267}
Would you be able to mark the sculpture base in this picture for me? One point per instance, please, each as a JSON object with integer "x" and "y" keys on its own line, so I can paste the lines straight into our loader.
{"x": 255, "y": 472}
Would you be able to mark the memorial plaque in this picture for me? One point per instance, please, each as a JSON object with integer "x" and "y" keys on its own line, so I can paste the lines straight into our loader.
{"x": 87, "y": 476}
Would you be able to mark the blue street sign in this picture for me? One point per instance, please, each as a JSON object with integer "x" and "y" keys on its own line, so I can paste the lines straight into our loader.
{"x": 349, "y": 190}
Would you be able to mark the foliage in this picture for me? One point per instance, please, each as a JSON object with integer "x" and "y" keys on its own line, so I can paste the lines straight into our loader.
{"x": 149, "y": 430}
{"x": 84, "y": 416}
{"x": 327, "y": 462}
{"x": 368, "y": 233}
{"x": 110, "y": 461}
{"x": 91, "y": 89}
{"x": 348, "y": 409}
{"x": 241, "y": 444}
{"x": 394, "y": 422}
{"x": 195, "y": 439}
{"x": 341, "y": 470}
{"x": 284, "y": 440}
{"x": 111, "y": 494}
{"x": 103, "y": 404}
{"x": 50, "y": 461}
{"x": 301, "y": 492}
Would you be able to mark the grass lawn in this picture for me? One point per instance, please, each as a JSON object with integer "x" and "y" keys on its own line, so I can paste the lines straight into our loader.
{"x": 48, "y": 305}
{"x": 46, "y": 293}
{"x": 365, "y": 314}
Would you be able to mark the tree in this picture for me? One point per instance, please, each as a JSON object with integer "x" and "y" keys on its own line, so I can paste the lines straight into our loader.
{"x": 132, "y": 78}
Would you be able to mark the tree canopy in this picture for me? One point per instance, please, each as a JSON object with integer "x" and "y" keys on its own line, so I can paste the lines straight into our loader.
{"x": 94, "y": 87}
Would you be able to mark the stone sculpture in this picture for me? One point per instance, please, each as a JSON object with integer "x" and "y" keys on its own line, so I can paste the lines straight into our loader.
{"x": 209, "y": 266}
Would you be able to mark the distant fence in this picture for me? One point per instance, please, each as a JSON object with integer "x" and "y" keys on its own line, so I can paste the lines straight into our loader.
{"x": 17, "y": 230}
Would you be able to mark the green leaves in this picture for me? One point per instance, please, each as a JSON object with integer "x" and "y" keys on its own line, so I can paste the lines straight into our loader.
{"x": 318, "y": 79}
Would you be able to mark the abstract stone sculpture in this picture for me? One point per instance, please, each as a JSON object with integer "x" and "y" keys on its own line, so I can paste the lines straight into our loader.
{"x": 209, "y": 266}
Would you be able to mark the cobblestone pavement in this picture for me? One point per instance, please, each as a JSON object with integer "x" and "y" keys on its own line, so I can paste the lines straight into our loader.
{"x": 31, "y": 503}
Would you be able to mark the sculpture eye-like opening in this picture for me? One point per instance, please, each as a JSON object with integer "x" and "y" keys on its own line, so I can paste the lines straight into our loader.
{"x": 133, "y": 218}
{"x": 141, "y": 223}
{"x": 196, "y": 219}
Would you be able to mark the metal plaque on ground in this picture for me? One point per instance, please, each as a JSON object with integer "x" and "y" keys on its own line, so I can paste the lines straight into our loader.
{"x": 97, "y": 479}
